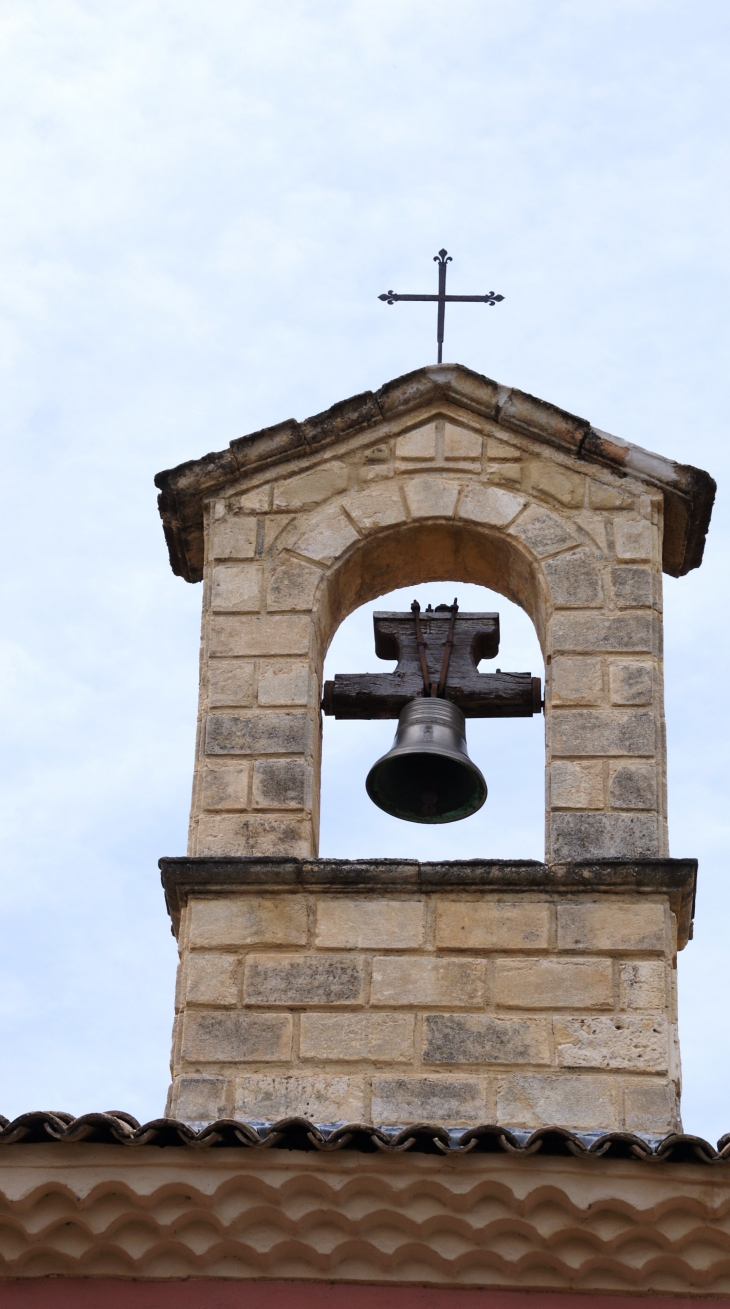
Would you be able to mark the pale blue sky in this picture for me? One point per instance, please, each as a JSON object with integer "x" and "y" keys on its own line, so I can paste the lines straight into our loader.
{"x": 199, "y": 207}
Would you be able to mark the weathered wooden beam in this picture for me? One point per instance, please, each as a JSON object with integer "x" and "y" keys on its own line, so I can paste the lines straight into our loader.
{"x": 476, "y": 636}
{"x": 478, "y": 695}
{"x": 384, "y": 695}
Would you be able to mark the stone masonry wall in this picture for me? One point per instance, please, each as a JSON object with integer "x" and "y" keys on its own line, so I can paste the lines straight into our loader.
{"x": 445, "y": 497}
{"x": 448, "y": 1007}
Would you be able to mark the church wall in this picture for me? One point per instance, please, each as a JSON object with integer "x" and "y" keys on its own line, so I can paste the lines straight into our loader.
{"x": 458, "y": 1007}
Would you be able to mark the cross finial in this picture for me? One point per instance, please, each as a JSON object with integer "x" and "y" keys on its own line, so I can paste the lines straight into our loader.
{"x": 442, "y": 259}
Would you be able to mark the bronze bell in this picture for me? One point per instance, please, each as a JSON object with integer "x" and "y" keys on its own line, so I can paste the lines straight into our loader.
{"x": 427, "y": 775}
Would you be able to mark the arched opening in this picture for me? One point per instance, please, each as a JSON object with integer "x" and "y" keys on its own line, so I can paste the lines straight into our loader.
{"x": 429, "y": 552}
{"x": 425, "y": 561}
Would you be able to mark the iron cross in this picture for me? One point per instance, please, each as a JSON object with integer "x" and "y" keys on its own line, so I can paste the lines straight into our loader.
{"x": 442, "y": 259}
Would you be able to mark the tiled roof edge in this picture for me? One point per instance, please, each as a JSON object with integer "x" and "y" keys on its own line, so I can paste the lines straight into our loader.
{"x": 115, "y": 1128}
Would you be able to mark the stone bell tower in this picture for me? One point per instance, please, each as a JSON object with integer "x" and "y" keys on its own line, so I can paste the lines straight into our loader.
{"x": 396, "y": 992}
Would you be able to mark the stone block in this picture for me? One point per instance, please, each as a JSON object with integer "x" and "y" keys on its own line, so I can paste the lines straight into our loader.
{"x": 311, "y": 488}
{"x": 298, "y": 980}
{"x": 589, "y": 633}
{"x": 492, "y": 924}
{"x": 603, "y": 836}
{"x": 361, "y": 1037}
{"x": 274, "y": 634}
{"x": 211, "y": 979}
{"x": 377, "y": 473}
{"x": 377, "y": 454}
{"x": 633, "y": 540}
{"x": 326, "y": 536}
{"x": 633, "y": 786}
{"x": 236, "y": 834}
{"x": 255, "y": 734}
{"x": 292, "y": 586}
{"x": 576, "y": 785}
{"x": 594, "y": 525}
{"x": 576, "y": 681}
{"x": 643, "y": 985}
{"x": 458, "y": 983}
{"x": 282, "y": 784}
{"x": 633, "y": 587}
{"x": 359, "y": 924}
{"x": 559, "y": 483}
{"x": 484, "y": 1039}
{"x": 543, "y": 532}
{"x": 283, "y": 683}
{"x": 511, "y": 474}
{"x": 376, "y": 506}
{"x": 651, "y": 1107}
{"x": 553, "y": 983}
{"x": 200, "y": 1099}
{"x": 230, "y": 1036}
{"x": 431, "y": 496}
{"x": 489, "y": 504}
{"x": 612, "y": 924}
{"x": 605, "y": 497}
{"x": 373, "y": 471}
{"x": 236, "y": 588}
{"x": 225, "y": 788}
{"x": 248, "y": 920}
{"x": 574, "y": 579}
{"x": 449, "y": 1100}
{"x": 497, "y": 449}
{"x": 631, "y": 682}
{"x": 230, "y": 683}
{"x": 329, "y": 1100}
{"x": 537, "y": 1100}
{"x": 233, "y": 537}
{"x": 460, "y": 443}
{"x": 417, "y": 445}
{"x": 257, "y": 501}
{"x": 624, "y": 1041}
{"x": 273, "y": 526}
{"x": 602, "y": 732}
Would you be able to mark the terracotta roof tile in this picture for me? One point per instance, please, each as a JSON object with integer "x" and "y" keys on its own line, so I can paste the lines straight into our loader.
{"x": 42, "y": 1127}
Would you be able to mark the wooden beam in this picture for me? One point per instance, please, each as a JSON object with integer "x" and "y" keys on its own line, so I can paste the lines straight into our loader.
{"x": 478, "y": 695}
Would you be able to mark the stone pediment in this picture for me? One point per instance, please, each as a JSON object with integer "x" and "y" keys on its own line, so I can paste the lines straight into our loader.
{"x": 466, "y": 400}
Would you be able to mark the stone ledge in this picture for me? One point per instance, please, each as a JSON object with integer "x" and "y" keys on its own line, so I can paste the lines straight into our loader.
{"x": 675, "y": 878}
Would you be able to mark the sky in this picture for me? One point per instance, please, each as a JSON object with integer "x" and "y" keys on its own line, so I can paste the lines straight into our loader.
{"x": 199, "y": 207}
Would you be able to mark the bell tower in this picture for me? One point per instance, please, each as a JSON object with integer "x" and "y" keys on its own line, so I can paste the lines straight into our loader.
{"x": 396, "y": 992}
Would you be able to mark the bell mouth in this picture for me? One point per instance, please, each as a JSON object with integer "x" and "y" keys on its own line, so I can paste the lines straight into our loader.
{"x": 428, "y": 777}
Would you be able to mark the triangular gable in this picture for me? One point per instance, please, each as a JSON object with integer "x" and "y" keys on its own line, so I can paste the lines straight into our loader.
{"x": 688, "y": 492}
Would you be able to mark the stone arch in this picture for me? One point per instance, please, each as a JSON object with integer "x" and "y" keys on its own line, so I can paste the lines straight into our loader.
{"x": 436, "y": 550}
{"x": 604, "y": 747}
{"x": 488, "y": 536}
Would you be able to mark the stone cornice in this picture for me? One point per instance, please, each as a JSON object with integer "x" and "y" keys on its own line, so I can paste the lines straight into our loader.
{"x": 688, "y": 492}
{"x": 480, "y": 1220}
{"x": 675, "y": 878}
